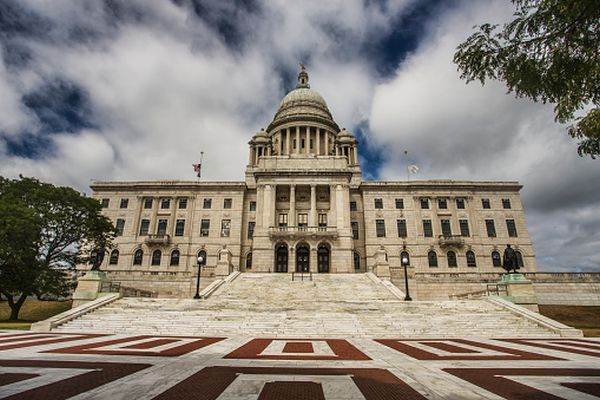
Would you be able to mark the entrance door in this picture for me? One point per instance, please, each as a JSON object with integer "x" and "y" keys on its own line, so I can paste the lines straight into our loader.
{"x": 302, "y": 259}
{"x": 323, "y": 259}
{"x": 281, "y": 258}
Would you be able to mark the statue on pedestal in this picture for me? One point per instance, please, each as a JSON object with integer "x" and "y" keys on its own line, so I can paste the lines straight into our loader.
{"x": 509, "y": 261}
{"x": 97, "y": 256}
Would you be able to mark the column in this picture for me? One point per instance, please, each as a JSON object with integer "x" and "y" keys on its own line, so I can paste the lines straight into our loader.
{"x": 287, "y": 141}
{"x": 292, "y": 214}
{"x": 307, "y": 139}
{"x": 250, "y": 156}
{"x": 326, "y": 143}
{"x": 297, "y": 140}
{"x": 267, "y": 206}
{"x": 340, "y": 206}
{"x": 318, "y": 139}
{"x": 273, "y": 205}
{"x": 260, "y": 206}
{"x": 312, "y": 218}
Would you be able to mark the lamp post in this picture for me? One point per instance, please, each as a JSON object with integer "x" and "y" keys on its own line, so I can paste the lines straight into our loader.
{"x": 405, "y": 264}
{"x": 200, "y": 260}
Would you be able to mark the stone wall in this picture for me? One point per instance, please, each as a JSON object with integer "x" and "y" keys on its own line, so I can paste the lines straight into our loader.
{"x": 174, "y": 286}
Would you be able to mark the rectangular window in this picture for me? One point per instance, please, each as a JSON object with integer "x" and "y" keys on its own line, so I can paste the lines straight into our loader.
{"x": 506, "y": 203}
{"x": 511, "y": 228}
{"x": 491, "y": 229}
{"x": 380, "y": 227}
{"x": 424, "y": 203}
{"x": 124, "y": 203}
{"x": 302, "y": 142}
{"x": 147, "y": 202}
{"x": 295, "y": 147}
{"x": 354, "y": 225}
{"x": 464, "y": 227}
{"x": 427, "y": 228}
{"x": 302, "y": 220}
{"x": 399, "y": 204}
{"x": 322, "y": 220}
{"x": 144, "y": 227}
{"x": 353, "y": 206}
{"x": 251, "y": 226}
{"x": 162, "y": 227}
{"x": 180, "y": 227}
{"x": 225, "y": 227}
{"x": 282, "y": 220}
{"x": 165, "y": 204}
{"x": 442, "y": 204}
{"x": 120, "y": 226}
{"x": 207, "y": 203}
{"x": 460, "y": 204}
{"x": 182, "y": 204}
{"x": 204, "y": 227}
{"x": 252, "y": 206}
{"x": 401, "y": 225}
{"x": 485, "y": 203}
{"x": 227, "y": 203}
{"x": 446, "y": 228}
{"x": 104, "y": 203}
{"x": 379, "y": 204}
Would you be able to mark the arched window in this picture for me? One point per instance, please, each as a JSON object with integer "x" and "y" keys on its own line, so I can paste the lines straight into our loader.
{"x": 471, "y": 262}
{"x": 496, "y": 260}
{"x": 138, "y": 256}
{"x": 519, "y": 259}
{"x": 356, "y": 261}
{"x": 404, "y": 255}
{"x": 451, "y": 259}
{"x": 432, "y": 258}
{"x": 174, "y": 258}
{"x": 156, "y": 256}
{"x": 114, "y": 257}
{"x": 249, "y": 261}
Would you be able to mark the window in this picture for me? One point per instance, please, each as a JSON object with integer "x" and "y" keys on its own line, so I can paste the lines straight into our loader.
{"x": 496, "y": 260}
{"x": 180, "y": 227}
{"x": 511, "y": 228}
{"x": 302, "y": 142}
{"x": 446, "y": 229}
{"x": 353, "y": 206}
{"x": 207, "y": 203}
{"x": 432, "y": 258}
{"x": 204, "y": 227}
{"x": 252, "y": 206}
{"x": 378, "y": 204}
{"x": 138, "y": 256}
{"x": 460, "y": 204}
{"x": 161, "y": 229}
{"x": 182, "y": 203}
{"x": 424, "y": 203}
{"x": 427, "y": 228}
{"x": 156, "y": 256}
{"x": 520, "y": 263}
{"x": 404, "y": 255}
{"x": 401, "y": 225}
{"x": 442, "y": 204}
{"x": 490, "y": 227}
{"x": 354, "y": 225}
{"x": 302, "y": 220}
{"x": 174, "y": 258}
{"x": 124, "y": 203}
{"x": 485, "y": 203}
{"x": 380, "y": 227}
{"x": 356, "y": 261}
{"x": 165, "y": 204}
{"x": 464, "y": 227}
{"x": 322, "y": 220}
{"x": 120, "y": 226}
{"x": 144, "y": 227}
{"x": 249, "y": 260}
{"x": 471, "y": 262}
{"x": 451, "y": 256}
{"x": 251, "y": 226}
{"x": 282, "y": 220}
{"x": 147, "y": 202}
{"x": 399, "y": 204}
{"x": 225, "y": 227}
{"x": 227, "y": 203}
{"x": 114, "y": 257}
{"x": 506, "y": 203}
{"x": 104, "y": 203}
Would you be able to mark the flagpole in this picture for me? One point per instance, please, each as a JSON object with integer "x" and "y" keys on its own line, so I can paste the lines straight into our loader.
{"x": 201, "y": 160}
{"x": 407, "y": 166}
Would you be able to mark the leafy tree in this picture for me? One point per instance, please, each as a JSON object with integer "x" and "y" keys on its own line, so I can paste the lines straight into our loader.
{"x": 549, "y": 52}
{"x": 42, "y": 232}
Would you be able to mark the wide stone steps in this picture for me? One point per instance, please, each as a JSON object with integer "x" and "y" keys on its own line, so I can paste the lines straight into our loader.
{"x": 331, "y": 305}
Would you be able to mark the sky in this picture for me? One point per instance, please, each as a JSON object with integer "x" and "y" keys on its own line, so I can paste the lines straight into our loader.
{"x": 135, "y": 89}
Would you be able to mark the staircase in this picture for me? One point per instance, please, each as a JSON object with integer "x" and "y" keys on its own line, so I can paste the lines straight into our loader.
{"x": 339, "y": 305}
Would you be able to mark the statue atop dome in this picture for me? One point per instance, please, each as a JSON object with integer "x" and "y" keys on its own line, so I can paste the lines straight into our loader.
{"x": 302, "y": 78}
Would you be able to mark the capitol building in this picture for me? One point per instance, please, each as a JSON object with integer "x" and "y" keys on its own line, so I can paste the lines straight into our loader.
{"x": 304, "y": 207}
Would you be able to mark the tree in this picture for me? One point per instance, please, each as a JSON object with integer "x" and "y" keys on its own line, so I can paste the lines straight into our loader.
{"x": 549, "y": 52}
{"x": 42, "y": 232}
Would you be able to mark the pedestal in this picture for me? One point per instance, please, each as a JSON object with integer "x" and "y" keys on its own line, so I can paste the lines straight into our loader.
{"x": 88, "y": 287}
{"x": 520, "y": 291}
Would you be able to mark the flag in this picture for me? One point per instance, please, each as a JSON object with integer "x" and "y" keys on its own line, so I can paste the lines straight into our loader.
{"x": 198, "y": 169}
{"x": 413, "y": 169}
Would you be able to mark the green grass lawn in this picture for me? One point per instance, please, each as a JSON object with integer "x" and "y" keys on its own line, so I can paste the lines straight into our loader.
{"x": 586, "y": 318}
{"x": 32, "y": 311}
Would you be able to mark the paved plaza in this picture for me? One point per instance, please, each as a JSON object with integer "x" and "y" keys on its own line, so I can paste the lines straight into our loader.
{"x": 108, "y": 366}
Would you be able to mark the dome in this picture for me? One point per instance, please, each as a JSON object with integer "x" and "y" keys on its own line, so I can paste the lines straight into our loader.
{"x": 346, "y": 136}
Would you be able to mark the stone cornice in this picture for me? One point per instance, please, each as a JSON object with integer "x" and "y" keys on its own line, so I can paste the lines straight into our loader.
{"x": 166, "y": 185}
{"x": 443, "y": 184}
